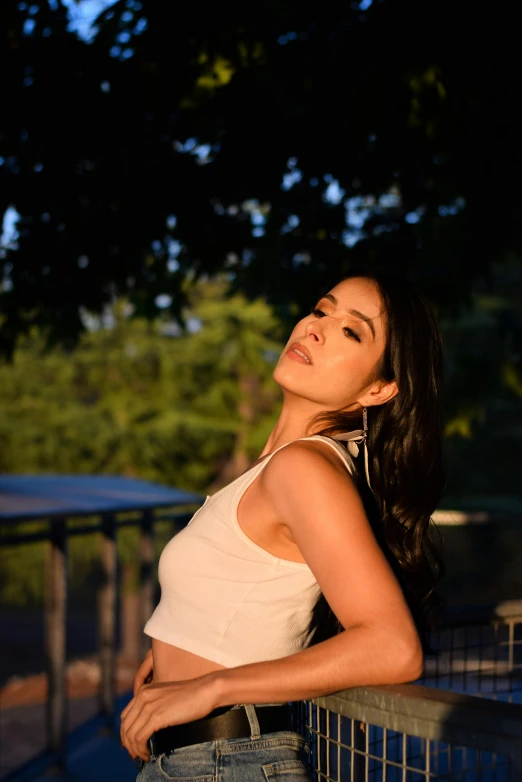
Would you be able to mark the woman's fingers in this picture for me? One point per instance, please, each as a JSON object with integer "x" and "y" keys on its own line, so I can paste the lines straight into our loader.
{"x": 131, "y": 705}
{"x": 137, "y": 723}
{"x": 157, "y": 705}
{"x": 136, "y": 726}
{"x": 125, "y": 723}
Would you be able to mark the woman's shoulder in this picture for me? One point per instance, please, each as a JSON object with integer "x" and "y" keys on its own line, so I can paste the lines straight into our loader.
{"x": 307, "y": 461}
{"x": 307, "y": 479}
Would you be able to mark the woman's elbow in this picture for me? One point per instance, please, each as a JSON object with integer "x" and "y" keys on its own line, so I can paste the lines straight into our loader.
{"x": 406, "y": 660}
{"x": 414, "y": 667}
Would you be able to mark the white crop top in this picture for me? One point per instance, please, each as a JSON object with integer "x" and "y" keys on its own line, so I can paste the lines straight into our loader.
{"x": 227, "y": 599}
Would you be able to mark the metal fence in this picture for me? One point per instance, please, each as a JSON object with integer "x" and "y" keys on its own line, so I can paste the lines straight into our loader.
{"x": 56, "y": 531}
{"x": 462, "y": 721}
{"x": 479, "y": 652}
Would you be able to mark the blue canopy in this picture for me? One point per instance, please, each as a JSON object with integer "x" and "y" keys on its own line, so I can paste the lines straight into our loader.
{"x": 32, "y": 496}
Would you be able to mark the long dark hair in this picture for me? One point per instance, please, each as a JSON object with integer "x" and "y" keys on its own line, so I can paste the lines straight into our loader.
{"x": 404, "y": 444}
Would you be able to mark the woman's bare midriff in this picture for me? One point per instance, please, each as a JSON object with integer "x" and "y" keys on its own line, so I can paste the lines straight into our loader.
{"x": 174, "y": 664}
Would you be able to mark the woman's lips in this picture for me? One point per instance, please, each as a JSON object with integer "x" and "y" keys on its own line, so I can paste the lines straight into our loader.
{"x": 298, "y": 353}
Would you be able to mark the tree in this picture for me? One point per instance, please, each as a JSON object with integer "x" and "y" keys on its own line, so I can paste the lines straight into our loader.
{"x": 135, "y": 398}
{"x": 244, "y": 336}
{"x": 284, "y": 146}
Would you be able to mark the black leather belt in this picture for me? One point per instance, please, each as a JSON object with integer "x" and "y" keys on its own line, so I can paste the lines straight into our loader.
{"x": 223, "y": 723}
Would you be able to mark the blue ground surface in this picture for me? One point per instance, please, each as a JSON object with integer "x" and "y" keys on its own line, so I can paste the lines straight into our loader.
{"x": 94, "y": 754}
{"x": 99, "y": 759}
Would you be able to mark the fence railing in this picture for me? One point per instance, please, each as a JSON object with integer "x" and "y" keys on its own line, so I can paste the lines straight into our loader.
{"x": 479, "y": 652}
{"x": 411, "y": 733}
{"x": 56, "y": 534}
{"x": 469, "y": 730}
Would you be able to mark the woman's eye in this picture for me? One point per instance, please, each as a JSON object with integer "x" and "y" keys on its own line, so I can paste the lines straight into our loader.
{"x": 348, "y": 331}
{"x": 351, "y": 333}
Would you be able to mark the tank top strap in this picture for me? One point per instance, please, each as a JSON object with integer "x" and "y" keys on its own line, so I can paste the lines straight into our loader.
{"x": 345, "y": 453}
{"x": 242, "y": 483}
{"x": 238, "y": 487}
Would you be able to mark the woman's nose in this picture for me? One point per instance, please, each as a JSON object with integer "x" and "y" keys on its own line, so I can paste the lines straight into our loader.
{"x": 315, "y": 330}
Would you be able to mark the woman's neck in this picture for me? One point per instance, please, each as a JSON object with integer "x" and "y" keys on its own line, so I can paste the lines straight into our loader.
{"x": 292, "y": 424}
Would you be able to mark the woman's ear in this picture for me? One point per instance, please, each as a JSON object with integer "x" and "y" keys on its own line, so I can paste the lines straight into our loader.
{"x": 378, "y": 393}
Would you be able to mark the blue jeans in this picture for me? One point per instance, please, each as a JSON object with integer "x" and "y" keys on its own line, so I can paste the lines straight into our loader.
{"x": 269, "y": 757}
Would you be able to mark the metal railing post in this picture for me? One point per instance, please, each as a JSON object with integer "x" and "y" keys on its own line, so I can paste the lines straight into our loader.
{"x": 107, "y": 616}
{"x": 55, "y": 635}
{"x": 146, "y": 555}
{"x": 359, "y": 756}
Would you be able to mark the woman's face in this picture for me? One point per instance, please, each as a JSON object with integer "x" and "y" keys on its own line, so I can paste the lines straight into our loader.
{"x": 342, "y": 340}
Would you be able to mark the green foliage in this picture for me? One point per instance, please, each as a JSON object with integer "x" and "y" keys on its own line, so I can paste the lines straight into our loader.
{"x": 22, "y": 569}
{"x": 131, "y": 400}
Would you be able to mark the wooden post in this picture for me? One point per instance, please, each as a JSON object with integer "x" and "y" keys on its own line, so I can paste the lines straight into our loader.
{"x": 107, "y": 616}
{"x": 130, "y": 613}
{"x": 55, "y": 635}
{"x": 146, "y": 554}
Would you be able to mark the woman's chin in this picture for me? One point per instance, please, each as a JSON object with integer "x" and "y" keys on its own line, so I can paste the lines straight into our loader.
{"x": 286, "y": 379}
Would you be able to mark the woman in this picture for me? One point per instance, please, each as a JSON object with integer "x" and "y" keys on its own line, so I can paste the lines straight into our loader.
{"x": 235, "y": 636}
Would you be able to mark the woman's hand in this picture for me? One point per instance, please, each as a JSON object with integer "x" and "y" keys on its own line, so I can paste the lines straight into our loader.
{"x": 157, "y": 706}
{"x": 144, "y": 673}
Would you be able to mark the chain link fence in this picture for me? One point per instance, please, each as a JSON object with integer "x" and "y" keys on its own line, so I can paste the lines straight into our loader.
{"x": 461, "y": 721}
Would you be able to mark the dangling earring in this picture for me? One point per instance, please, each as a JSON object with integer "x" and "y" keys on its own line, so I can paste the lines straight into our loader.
{"x": 365, "y": 445}
{"x": 353, "y": 439}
